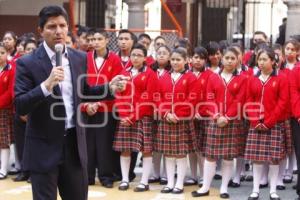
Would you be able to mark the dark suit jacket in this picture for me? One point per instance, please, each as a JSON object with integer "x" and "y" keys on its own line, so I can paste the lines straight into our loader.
{"x": 44, "y": 135}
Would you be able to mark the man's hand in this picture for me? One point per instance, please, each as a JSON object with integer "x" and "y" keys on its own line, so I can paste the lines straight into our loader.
{"x": 171, "y": 118}
{"x": 23, "y": 118}
{"x": 91, "y": 108}
{"x": 118, "y": 83}
{"x": 198, "y": 116}
{"x": 56, "y": 76}
{"x": 125, "y": 122}
{"x": 222, "y": 122}
{"x": 261, "y": 127}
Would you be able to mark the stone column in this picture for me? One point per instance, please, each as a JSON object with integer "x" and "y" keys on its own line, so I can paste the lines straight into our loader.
{"x": 293, "y": 16}
{"x": 136, "y": 13}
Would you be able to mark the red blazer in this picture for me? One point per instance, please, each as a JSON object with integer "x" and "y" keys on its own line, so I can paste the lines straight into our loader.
{"x": 295, "y": 91}
{"x": 137, "y": 100}
{"x": 178, "y": 97}
{"x": 266, "y": 102}
{"x": 110, "y": 68}
{"x": 6, "y": 87}
{"x": 201, "y": 83}
{"x": 227, "y": 99}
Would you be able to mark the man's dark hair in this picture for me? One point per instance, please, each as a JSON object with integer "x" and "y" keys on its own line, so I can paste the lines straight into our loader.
{"x": 261, "y": 33}
{"x": 102, "y": 32}
{"x": 144, "y": 35}
{"x": 133, "y": 36}
{"x": 51, "y": 11}
{"x": 90, "y": 32}
{"x": 81, "y": 30}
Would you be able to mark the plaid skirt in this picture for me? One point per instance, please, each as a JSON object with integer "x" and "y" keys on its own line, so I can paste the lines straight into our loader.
{"x": 242, "y": 138}
{"x": 175, "y": 139}
{"x": 201, "y": 134}
{"x": 288, "y": 137}
{"x": 135, "y": 138}
{"x": 223, "y": 143}
{"x": 6, "y": 127}
{"x": 266, "y": 146}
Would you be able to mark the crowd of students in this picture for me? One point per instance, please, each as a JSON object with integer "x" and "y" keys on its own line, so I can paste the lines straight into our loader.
{"x": 209, "y": 105}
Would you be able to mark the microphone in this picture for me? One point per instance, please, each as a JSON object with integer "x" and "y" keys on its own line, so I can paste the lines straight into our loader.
{"x": 58, "y": 53}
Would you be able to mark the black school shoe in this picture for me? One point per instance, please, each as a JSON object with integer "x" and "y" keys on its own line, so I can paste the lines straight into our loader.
{"x": 141, "y": 188}
{"x": 197, "y": 194}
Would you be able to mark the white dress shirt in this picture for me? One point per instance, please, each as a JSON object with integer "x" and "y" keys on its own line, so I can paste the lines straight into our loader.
{"x": 66, "y": 86}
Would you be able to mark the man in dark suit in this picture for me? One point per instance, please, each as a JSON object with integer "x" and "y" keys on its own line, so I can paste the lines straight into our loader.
{"x": 55, "y": 145}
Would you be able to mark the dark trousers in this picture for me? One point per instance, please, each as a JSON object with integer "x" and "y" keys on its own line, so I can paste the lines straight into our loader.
{"x": 69, "y": 177}
{"x": 19, "y": 134}
{"x": 100, "y": 147}
{"x": 296, "y": 138}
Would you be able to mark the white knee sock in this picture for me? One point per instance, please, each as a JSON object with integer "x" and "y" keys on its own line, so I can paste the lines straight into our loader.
{"x": 227, "y": 166}
{"x": 281, "y": 170}
{"x": 170, "y": 168}
{"x": 4, "y": 160}
{"x": 125, "y": 165}
{"x": 156, "y": 164}
{"x": 265, "y": 172}
{"x": 273, "y": 173}
{"x": 193, "y": 165}
{"x": 238, "y": 170}
{"x": 257, "y": 172}
{"x": 181, "y": 171}
{"x": 147, "y": 165}
{"x": 209, "y": 172}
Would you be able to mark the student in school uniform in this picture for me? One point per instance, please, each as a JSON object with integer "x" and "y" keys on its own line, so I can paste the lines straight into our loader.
{"x": 225, "y": 93}
{"x": 239, "y": 172}
{"x": 126, "y": 40}
{"x": 102, "y": 66}
{"x": 291, "y": 52}
{"x": 135, "y": 107}
{"x": 295, "y": 119}
{"x": 267, "y": 99}
{"x": 202, "y": 73}
{"x": 6, "y": 110}
{"x": 162, "y": 67}
{"x": 176, "y": 136}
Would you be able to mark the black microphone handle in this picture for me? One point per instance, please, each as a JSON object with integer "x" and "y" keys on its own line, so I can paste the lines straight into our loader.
{"x": 58, "y": 56}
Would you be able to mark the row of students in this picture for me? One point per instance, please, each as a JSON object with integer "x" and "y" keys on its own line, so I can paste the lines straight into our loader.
{"x": 243, "y": 70}
{"x": 224, "y": 120}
